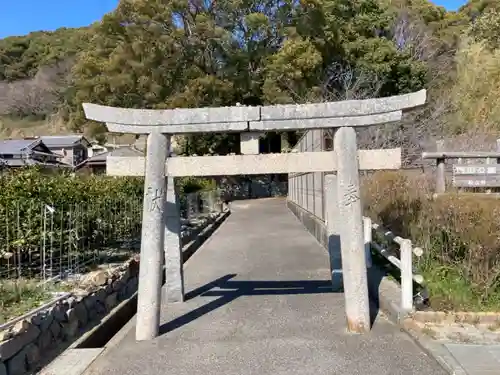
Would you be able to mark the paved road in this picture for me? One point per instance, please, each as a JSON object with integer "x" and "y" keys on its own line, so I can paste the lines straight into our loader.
{"x": 261, "y": 303}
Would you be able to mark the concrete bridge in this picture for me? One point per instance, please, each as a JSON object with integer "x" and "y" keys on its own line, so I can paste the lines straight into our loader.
{"x": 259, "y": 300}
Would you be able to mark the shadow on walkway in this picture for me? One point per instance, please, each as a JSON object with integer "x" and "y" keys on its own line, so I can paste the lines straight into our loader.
{"x": 228, "y": 290}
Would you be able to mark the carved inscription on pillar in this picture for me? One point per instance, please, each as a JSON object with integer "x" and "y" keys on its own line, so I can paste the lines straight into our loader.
{"x": 351, "y": 195}
{"x": 156, "y": 197}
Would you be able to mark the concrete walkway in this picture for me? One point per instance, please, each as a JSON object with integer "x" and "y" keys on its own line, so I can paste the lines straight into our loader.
{"x": 260, "y": 303}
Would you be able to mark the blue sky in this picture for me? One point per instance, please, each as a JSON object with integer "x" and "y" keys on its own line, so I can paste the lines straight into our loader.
{"x": 19, "y": 17}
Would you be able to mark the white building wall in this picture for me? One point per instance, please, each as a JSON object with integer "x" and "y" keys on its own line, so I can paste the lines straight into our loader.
{"x": 307, "y": 189}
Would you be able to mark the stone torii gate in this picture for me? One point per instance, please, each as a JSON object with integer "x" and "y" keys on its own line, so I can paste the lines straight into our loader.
{"x": 160, "y": 202}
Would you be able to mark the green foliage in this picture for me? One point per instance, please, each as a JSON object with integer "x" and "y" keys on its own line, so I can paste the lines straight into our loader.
{"x": 156, "y": 54}
{"x": 188, "y": 185}
{"x": 90, "y": 212}
{"x": 22, "y": 56}
{"x": 486, "y": 29}
{"x": 20, "y": 296}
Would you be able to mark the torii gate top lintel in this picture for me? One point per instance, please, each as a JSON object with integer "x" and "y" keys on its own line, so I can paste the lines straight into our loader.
{"x": 346, "y": 160}
{"x": 255, "y": 119}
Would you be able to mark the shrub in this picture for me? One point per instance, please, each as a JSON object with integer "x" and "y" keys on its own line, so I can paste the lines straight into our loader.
{"x": 90, "y": 212}
{"x": 459, "y": 234}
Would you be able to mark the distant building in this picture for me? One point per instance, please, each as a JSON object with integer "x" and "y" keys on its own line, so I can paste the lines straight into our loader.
{"x": 72, "y": 148}
{"x": 97, "y": 163}
{"x": 15, "y": 153}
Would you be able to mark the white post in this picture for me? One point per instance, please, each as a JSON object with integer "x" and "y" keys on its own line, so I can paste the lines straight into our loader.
{"x": 367, "y": 229}
{"x": 152, "y": 239}
{"x": 351, "y": 232}
{"x": 406, "y": 276}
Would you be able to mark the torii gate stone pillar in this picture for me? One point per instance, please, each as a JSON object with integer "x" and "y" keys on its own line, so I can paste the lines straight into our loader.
{"x": 160, "y": 215}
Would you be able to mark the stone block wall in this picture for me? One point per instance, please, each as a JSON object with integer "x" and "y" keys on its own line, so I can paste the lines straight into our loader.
{"x": 23, "y": 345}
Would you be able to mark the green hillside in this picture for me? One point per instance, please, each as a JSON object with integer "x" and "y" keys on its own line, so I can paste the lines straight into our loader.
{"x": 189, "y": 54}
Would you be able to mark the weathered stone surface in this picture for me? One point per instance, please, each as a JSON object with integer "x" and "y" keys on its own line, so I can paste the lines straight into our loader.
{"x": 249, "y": 143}
{"x": 55, "y": 328}
{"x": 69, "y": 330}
{"x": 203, "y": 117}
{"x": 44, "y": 340}
{"x": 12, "y": 346}
{"x": 90, "y": 302}
{"x": 59, "y": 312}
{"x": 131, "y": 287}
{"x": 152, "y": 239}
{"x": 71, "y": 302}
{"x": 174, "y": 275}
{"x": 255, "y": 164}
{"x": 100, "y": 295}
{"x": 20, "y": 327}
{"x": 80, "y": 294}
{"x": 317, "y": 123}
{"x": 82, "y": 314}
{"x": 6, "y": 334}
{"x": 96, "y": 278}
{"x": 333, "y": 230}
{"x": 109, "y": 288}
{"x": 117, "y": 285}
{"x": 17, "y": 365}
{"x": 92, "y": 315}
{"x": 111, "y": 301}
{"x": 71, "y": 315}
{"x": 219, "y": 127}
{"x": 122, "y": 293}
{"x": 100, "y": 308}
{"x": 133, "y": 265}
{"x": 32, "y": 355}
{"x": 46, "y": 321}
{"x": 351, "y": 232}
{"x": 37, "y": 318}
{"x": 344, "y": 108}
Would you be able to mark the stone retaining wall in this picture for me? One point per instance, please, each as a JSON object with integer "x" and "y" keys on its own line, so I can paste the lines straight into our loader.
{"x": 22, "y": 346}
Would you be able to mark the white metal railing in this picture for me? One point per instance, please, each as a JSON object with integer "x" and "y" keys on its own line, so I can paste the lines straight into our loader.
{"x": 404, "y": 263}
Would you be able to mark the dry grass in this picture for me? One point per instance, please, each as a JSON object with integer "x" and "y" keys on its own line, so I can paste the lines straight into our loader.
{"x": 459, "y": 233}
{"x": 20, "y": 296}
{"x": 475, "y": 91}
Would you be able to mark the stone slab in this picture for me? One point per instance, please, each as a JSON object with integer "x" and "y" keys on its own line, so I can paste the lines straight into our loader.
{"x": 255, "y": 164}
{"x": 249, "y": 143}
{"x": 178, "y": 116}
{"x": 218, "y": 127}
{"x": 321, "y": 123}
{"x": 259, "y": 303}
{"x": 344, "y": 108}
{"x": 72, "y": 362}
{"x": 477, "y": 359}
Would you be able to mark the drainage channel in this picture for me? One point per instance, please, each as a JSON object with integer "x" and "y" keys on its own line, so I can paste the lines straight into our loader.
{"x": 79, "y": 356}
{"x": 111, "y": 325}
